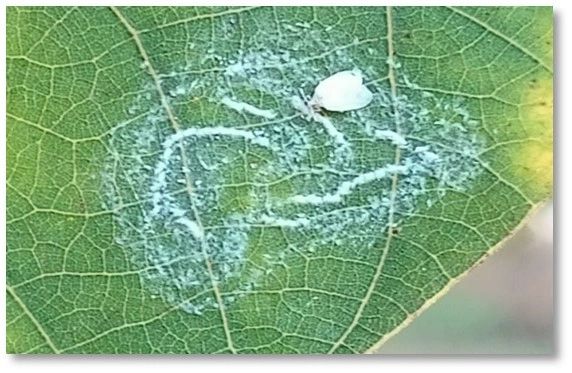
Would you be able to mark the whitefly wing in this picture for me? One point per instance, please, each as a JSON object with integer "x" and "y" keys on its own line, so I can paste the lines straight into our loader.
{"x": 342, "y": 91}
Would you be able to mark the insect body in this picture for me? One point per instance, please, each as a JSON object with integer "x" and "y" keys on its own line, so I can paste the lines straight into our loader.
{"x": 343, "y": 91}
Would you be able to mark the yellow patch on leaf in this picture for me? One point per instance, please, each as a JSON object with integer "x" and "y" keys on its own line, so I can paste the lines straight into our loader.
{"x": 534, "y": 158}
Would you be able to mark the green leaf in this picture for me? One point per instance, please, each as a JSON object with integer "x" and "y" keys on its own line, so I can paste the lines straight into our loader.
{"x": 169, "y": 191}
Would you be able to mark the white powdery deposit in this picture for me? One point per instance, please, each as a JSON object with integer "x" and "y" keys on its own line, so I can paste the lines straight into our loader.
{"x": 295, "y": 184}
{"x": 248, "y": 108}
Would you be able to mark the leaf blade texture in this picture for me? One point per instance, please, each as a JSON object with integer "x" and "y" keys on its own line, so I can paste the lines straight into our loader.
{"x": 169, "y": 191}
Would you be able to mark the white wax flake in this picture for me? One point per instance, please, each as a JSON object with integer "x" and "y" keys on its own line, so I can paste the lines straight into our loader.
{"x": 343, "y": 91}
{"x": 195, "y": 229}
{"x": 426, "y": 154}
{"x": 179, "y": 91}
{"x": 290, "y": 28}
{"x": 303, "y": 24}
{"x": 331, "y": 130}
{"x": 236, "y": 69}
{"x": 300, "y": 105}
{"x": 395, "y": 138}
{"x": 214, "y": 131}
{"x": 244, "y": 107}
{"x": 346, "y": 187}
{"x": 205, "y": 165}
{"x": 284, "y": 223}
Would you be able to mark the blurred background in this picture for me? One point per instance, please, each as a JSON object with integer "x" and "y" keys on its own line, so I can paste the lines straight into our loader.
{"x": 504, "y": 306}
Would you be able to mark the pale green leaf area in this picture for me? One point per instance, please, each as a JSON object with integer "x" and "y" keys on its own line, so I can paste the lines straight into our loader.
{"x": 170, "y": 192}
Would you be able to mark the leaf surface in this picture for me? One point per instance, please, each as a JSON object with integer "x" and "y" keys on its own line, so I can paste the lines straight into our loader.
{"x": 170, "y": 191}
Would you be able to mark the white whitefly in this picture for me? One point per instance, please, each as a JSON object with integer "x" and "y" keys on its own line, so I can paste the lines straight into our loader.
{"x": 343, "y": 91}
